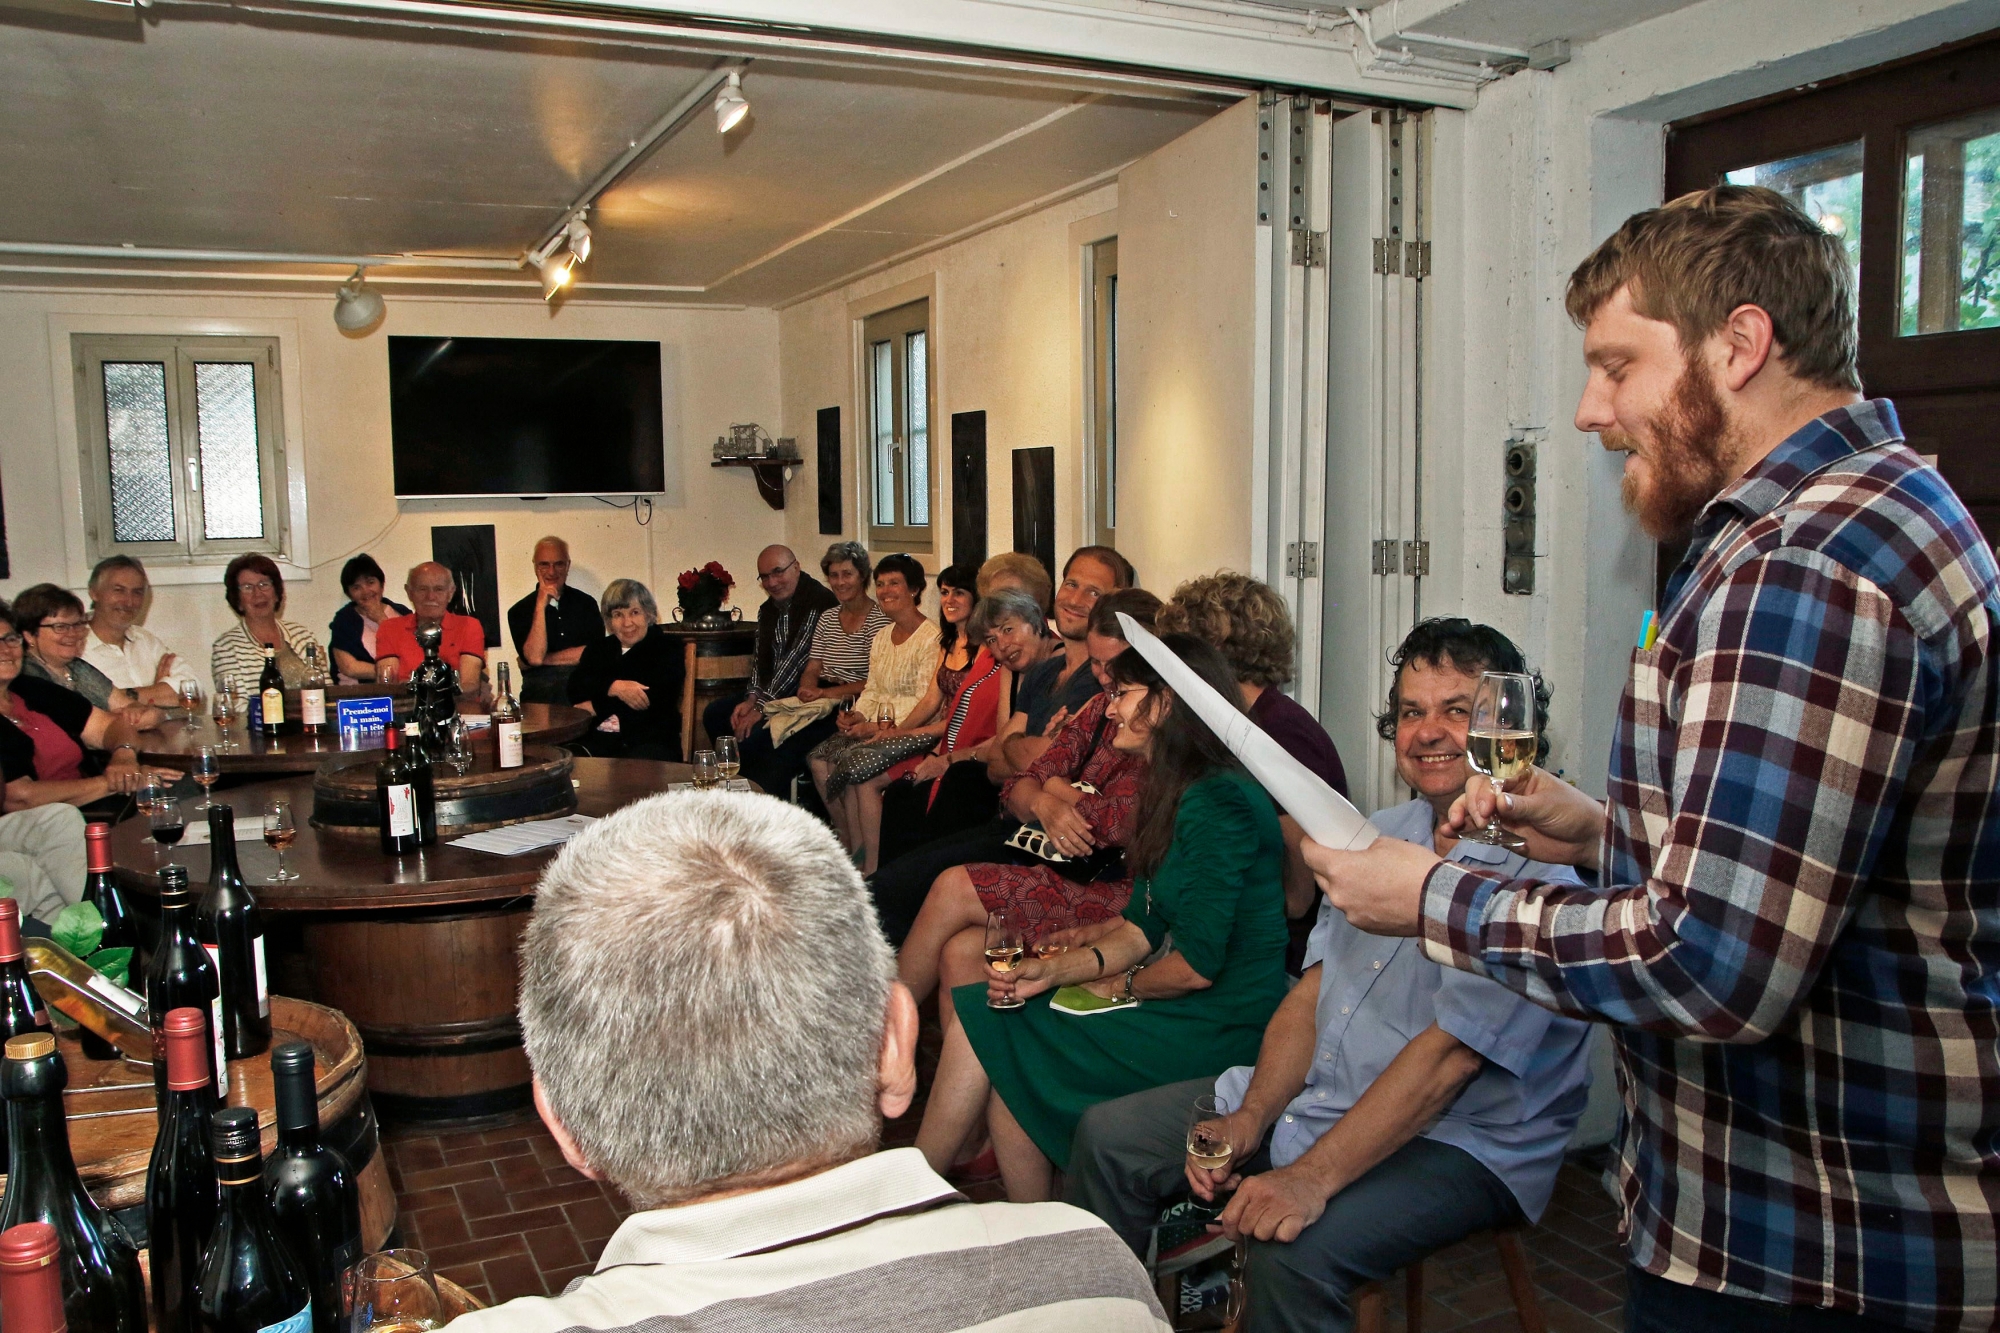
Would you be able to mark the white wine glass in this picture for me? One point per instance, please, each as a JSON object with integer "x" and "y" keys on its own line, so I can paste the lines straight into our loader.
{"x": 207, "y": 772}
{"x": 392, "y": 1291}
{"x": 222, "y": 709}
{"x": 279, "y": 834}
{"x": 885, "y": 718}
{"x": 704, "y": 769}
{"x": 728, "y": 759}
{"x": 1500, "y": 743}
{"x": 190, "y": 692}
{"x": 1006, "y": 945}
{"x": 1208, "y": 1144}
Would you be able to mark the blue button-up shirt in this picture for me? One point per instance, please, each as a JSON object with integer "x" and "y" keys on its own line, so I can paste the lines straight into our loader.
{"x": 1376, "y": 993}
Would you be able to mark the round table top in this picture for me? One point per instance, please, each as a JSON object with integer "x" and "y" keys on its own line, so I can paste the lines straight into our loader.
{"x": 348, "y": 872}
{"x": 173, "y": 743}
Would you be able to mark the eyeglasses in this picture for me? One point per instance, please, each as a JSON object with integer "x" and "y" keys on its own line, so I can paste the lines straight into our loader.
{"x": 254, "y": 585}
{"x": 780, "y": 570}
{"x": 10, "y": 641}
{"x": 1119, "y": 692}
{"x": 66, "y": 626}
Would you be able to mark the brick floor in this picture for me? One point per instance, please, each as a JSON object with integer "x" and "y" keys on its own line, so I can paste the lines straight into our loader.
{"x": 503, "y": 1215}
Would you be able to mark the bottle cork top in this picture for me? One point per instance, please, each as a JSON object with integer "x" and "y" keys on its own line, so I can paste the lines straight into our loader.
{"x": 30, "y": 1046}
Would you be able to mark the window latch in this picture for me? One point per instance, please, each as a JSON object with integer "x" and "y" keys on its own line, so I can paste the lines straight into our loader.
{"x": 194, "y": 474}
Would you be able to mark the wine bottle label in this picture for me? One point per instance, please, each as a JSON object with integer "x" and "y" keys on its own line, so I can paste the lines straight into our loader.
{"x": 301, "y": 1322}
{"x": 274, "y": 708}
{"x": 215, "y": 1032}
{"x": 263, "y": 986}
{"x": 312, "y": 707}
{"x": 510, "y": 744}
{"x": 115, "y": 995}
{"x": 402, "y": 810}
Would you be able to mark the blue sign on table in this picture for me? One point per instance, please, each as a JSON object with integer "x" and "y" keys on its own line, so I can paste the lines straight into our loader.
{"x": 361, "y": 722}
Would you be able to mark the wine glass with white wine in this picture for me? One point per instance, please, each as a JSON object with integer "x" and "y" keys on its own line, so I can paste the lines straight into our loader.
{"x": 1500, "y": 743}
{"x": 1208, "y": 1144}
{"x": 728, "y": 758}
{"x": 1006, "y": 945}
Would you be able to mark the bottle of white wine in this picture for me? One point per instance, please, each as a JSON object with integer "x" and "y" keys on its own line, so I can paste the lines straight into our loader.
{"x": 312, "y": 694}
{"x": 271, "y": 694}
{"x": 507, "y": 721}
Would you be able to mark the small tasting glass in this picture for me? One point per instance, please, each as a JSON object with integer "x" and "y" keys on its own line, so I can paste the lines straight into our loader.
{"x": 166, "y": 821}
{"x": 207, "y": 771}
{"x": 279, "y": 832}
{"x": 1207, "y": 1135}
{"x": 728, "y": 759}
{"x": 1005, "y": 947}
{"x": 191, "y": 700}
{"x": 390, "y": 1292}
{"x": 705, "y": 770}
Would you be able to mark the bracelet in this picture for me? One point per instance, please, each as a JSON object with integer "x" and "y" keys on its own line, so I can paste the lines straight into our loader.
{"x": 1131, "y": 974}
{"x": 1100, "y": 961}
{"x": 126, "y": 745}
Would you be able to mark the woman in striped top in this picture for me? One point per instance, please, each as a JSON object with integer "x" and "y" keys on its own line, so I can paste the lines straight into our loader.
{"x": 256, "y": 593}
{"x": 838, "y": 667}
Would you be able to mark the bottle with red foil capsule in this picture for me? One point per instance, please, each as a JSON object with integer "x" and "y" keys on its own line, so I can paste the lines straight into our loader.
{"x": 30, "y": 1281}
{"x": 22, "y": 1008}
{"x": 181, "y": 1192}
{"x": 231, "y": 926}
{"x": 100, "y": 890}
{"x": 182, "y": 974}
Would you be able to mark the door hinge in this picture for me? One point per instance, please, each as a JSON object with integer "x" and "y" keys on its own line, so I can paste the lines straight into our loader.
{"x": 1417, "y": 259}
{"x": 1416, "y": 559}
{"x": 1398, "y": 557}
{"x": 1386, "y": 559}
{"x": 1308, "y": 249}
{"x": 1409, "y": 259}
{"x": 1302, "y": 560}
{"x": 1388, "y": 257}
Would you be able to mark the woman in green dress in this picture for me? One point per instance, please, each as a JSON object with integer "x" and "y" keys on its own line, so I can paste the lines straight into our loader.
{"x": 1201, "y": 947}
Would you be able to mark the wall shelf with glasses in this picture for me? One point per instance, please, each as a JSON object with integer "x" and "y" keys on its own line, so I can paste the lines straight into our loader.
{"x": 771, "y": 474}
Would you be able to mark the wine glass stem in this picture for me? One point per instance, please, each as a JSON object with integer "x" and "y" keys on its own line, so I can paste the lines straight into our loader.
{"x": 1493, "y": 824}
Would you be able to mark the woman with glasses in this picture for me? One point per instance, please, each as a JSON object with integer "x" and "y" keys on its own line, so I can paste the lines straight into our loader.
{"x": 55, "y": 745}
{"x": 55, "y": 630}
{"x": 255, "y": 591}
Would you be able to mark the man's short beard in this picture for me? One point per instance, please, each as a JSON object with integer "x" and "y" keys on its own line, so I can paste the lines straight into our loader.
{"x": 1686, "y": 463}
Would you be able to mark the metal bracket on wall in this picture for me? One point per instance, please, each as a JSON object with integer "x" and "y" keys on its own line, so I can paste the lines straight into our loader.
{"x": 1517, "y": 513}
{"x": 1270, "y": 111}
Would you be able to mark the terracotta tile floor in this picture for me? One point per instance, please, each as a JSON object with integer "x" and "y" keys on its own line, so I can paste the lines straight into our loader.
{"x": 502, "y": 1215}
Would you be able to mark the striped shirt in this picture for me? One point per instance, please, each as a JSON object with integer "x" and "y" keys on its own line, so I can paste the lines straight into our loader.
{"x": 1801, "y": 946}
{"x": 877, "y": 1243}
{"x": 239, "y": 656}
{"x": 843, "y": 657}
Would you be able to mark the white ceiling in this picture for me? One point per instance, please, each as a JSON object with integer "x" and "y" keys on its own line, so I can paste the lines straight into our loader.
{"x": 1520, "y": 24}
{"x": 218, "y": 128}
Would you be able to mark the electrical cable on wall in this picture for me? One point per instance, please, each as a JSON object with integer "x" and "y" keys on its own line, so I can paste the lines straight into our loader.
{"x": 633, "y": 505}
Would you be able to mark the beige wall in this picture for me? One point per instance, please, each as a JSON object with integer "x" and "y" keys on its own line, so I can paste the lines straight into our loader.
{"x": 1187, "y": 282}
{"x": 719, "y": 367}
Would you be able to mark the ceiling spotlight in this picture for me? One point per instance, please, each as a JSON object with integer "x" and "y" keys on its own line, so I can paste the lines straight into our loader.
{"x": 556, "y": 272}
{"x": 579, "y": 239}
{"x": 357, "y": 307}
{"x": 731, "y": 106}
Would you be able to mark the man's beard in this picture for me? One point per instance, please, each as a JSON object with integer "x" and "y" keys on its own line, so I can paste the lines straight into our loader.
{"x": 1685, "y": 465}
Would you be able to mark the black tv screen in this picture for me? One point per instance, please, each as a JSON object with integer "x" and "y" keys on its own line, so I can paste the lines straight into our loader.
{"x": 525, "y": 416}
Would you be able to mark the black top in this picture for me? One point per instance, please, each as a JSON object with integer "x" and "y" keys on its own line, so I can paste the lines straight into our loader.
{"x": 573, "y": 622}
{"x": 345, "y": 631}
{"x": 655, "y": 662}
{"x": 66, "y": 708}
{"x": 1038, "y": 697}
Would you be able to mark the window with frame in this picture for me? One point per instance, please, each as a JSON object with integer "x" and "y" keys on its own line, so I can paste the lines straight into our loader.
{"x": 183, "y": 449}
{"x": 1101, "y": 373}
{"x": 896, "y": 369}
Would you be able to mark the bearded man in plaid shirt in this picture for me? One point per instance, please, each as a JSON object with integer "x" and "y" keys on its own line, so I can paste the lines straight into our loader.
{"x": 1797, "y": 936}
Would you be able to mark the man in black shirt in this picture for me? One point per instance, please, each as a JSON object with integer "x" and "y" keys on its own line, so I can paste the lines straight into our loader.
{"x": 552, "y": 626}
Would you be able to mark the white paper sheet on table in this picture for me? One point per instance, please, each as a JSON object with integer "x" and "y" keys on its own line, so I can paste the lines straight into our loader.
{"x": 249, "y": 828}
{"x": 515, "y": 839}
{"x": 1322, "y": 812}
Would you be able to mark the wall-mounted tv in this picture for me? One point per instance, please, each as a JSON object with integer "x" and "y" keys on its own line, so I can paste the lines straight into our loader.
{"x": 525, "y": 416}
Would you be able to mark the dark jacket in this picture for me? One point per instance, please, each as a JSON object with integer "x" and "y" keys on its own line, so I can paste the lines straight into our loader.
{"x": 781, "y": 657}
{"x": 654, "y": 662}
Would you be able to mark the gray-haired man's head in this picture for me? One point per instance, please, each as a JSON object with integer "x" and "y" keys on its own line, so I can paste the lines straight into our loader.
{"x": 704, "y": 997}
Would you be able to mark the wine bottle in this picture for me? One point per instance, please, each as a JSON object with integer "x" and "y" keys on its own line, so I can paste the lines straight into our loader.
{"x": 31, "y": 1279}
{"x": 271, "y": 695}
{"x": 405, "y": 800}
{"x": 507, "y": 721}
{"x": 21, "y": 1006}
{"x": 231, "y": 927}
{"x": 108, "y": 1012}
{"x": 182, "y": 976}
{"x": 100, "y": 890}
{"x": 312, "y": 693}
{"x": 182, "y": 1197}
{"x": 315, "y": 1198}
{"x": 103, "y": 1290}
{"x": 250, "y": 1280}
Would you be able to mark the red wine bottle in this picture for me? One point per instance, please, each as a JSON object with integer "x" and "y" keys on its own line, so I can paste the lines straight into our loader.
{"x": 21, "y": 1006}
{"x": 405, "y": 798}
{"x": 315, "y": 1198}
{"x": 31, "y": 1280}
{"x": 182, "y": 976}
{"x": 232, "y": 930}
{"x": 250, "y": 1280}
{"x": 182, "y": 1197}
{"x": 100, "y": 890}
{"x": 103, "y": 1289}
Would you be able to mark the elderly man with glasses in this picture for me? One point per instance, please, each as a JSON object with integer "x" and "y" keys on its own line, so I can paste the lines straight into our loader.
{"x": 793, "y": 603}
{"x": 552, "y": 626}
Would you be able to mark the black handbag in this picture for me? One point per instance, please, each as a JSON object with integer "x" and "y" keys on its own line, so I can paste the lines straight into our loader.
{"x": 1031, "y": 846}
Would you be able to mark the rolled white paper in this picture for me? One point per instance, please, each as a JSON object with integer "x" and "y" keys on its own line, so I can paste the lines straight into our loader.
{"x": 1326, "y": 816}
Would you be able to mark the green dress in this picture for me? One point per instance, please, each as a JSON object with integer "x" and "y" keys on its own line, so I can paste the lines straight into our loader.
{"x": 1220, "y": 892}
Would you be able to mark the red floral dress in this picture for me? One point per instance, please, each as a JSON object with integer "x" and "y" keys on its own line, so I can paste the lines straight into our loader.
{"x": 1044, "y": 898}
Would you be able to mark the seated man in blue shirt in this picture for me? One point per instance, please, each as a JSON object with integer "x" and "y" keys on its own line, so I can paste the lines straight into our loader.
{"x": 1396, "y": 1106}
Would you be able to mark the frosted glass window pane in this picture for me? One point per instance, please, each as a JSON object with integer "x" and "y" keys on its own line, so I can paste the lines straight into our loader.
{"x": 142, "y": 465}
{"x": 232, "y": 484}
{"x": 882, "y": 421}
{"x": 1951, "y": 226}
{"x": 1826, "y": 183}
{"x": 917, "y": 412}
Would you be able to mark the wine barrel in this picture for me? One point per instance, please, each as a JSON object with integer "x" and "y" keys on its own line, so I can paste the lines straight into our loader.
{"x": 432, "y": 994}
{"x": 717, "y": 664}
{"x": 112, "y": 1117}
{"x": 484, "y": 797}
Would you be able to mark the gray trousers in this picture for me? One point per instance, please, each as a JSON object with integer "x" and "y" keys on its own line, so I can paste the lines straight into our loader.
{"x": 1128, "y": 1161}
{"x": 42, "y": 856}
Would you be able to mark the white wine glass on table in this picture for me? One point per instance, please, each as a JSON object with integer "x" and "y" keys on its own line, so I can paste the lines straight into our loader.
{"x": 704, "y": 769}
{"x": 222, "y": 708}
{"x": 279, "y": 834}
{"x": 1005, "y": 947}
{"x": 190, "y": 692}
{"x": 149, "y": 793}
{"x": 393, "y": 1291}
{"x": 728, "y": 759}
{"x": 1500, "y": 743}
{"x": 207, "y": 771}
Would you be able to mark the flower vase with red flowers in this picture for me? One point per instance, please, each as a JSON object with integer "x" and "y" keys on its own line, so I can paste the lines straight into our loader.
{"x": 701, "y": 593}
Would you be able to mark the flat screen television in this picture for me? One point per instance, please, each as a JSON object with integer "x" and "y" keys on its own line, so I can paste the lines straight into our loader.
{"x": 525, "y": 416}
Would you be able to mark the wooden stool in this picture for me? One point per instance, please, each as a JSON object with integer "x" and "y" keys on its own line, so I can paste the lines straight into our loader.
{"x": 1370, "y": 1301}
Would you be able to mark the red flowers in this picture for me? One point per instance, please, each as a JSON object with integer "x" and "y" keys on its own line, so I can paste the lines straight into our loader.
{"x": 704, "y": 589}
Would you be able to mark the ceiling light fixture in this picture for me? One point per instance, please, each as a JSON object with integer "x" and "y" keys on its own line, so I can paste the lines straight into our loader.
{"x": 731, "y": 106}
{"x": 579, "y": 239}
{"x": 556, "y": 271}
{"x": 357, "y": 307}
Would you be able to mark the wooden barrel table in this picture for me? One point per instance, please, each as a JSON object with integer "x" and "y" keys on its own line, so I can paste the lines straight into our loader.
{"x": 112, "y": 1121}
{"x": 419, "y": 951}
{"x": 715, "y": 664}
{"x": 173, "y": 743}
{"x": 486, "y": 796}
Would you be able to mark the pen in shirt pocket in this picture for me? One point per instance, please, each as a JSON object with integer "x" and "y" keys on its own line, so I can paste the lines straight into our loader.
{"x": 1649, "y": 629}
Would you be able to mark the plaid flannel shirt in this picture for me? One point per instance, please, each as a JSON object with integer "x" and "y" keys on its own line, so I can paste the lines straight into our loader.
{"x": 1799, "y": 941}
